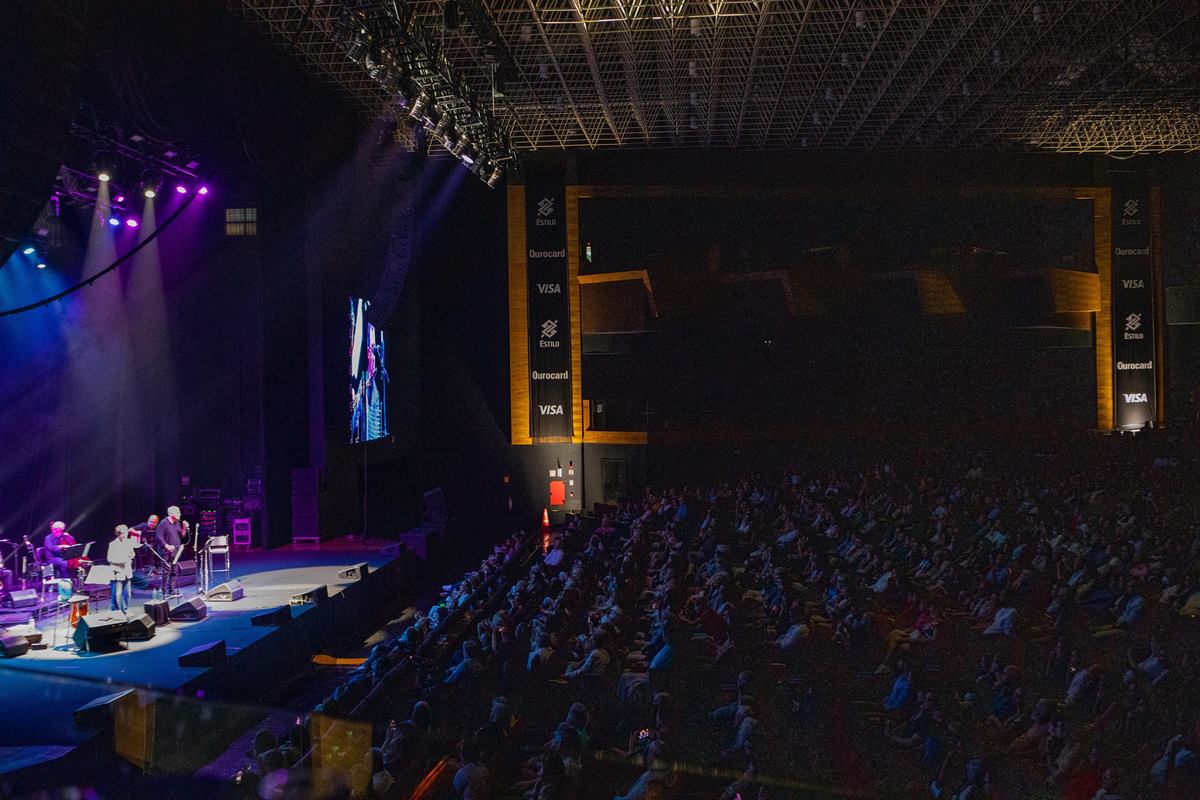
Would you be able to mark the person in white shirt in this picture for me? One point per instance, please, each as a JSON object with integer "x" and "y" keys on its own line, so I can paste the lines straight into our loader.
{"x": 120, "y": 557}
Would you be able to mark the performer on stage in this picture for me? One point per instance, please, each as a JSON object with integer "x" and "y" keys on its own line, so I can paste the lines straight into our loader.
{"x": 169, "y": 537}
{"x": 6, "y": 575}
{"x": 145, "y": 530}
{"x": 55, "y": 540}
{"x": 120, "y": 557}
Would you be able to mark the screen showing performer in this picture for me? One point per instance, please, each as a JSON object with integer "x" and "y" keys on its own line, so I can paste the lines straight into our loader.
{"x": 368, "y": 376}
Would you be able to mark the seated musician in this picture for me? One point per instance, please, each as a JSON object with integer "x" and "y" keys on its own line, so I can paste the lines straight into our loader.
{"x": 55, "y": 541}
{"x": 144, "y": 533}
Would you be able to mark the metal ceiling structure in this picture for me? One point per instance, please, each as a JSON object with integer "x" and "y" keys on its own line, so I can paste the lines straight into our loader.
{"x": 1082, "y": 76}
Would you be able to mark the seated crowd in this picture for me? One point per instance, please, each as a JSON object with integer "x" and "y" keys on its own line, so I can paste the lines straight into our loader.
{"x": 946, "y": 621}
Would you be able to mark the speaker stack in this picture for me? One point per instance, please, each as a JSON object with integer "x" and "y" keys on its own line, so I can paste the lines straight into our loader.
{"x": 185, "y": 572}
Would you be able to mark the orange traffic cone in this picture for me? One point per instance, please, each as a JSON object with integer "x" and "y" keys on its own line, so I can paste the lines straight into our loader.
{"x": 545, "y": 519}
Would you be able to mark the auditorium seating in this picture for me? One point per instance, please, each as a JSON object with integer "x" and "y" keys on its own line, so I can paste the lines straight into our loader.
{"x": 975, "y": 617}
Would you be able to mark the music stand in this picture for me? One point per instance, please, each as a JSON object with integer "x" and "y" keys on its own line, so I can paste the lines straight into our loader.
{"x": 74, "y": 551}
{"x": 100, "y": 575}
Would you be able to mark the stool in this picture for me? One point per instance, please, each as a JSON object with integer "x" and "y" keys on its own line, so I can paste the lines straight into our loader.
{"x": 79, "y": 608}
{"x": 218, "y": 545}
{"x": 242, "y": 533}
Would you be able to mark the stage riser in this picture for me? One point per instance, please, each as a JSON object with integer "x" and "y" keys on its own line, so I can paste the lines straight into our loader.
{"x": 355, "y": 611}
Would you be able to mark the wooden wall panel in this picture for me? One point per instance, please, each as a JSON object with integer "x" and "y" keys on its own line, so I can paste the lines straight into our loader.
{"x": 1102, "y": 231}
{"x": 1073, "y": 290}
{"x": 576, "y": 313}
{"x": 518, "y": 320}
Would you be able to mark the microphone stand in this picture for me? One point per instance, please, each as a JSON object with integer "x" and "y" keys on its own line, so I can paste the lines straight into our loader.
{"x": 166, "y": 566}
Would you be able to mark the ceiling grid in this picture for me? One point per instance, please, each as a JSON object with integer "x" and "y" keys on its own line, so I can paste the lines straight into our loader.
{"x": 1118, "y": 76}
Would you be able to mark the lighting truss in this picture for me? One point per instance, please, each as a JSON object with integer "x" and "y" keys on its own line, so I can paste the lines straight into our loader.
{"x": 132, "y": 154}
{"x": 1111, "y": 76}
{"x": 391, "y": 62}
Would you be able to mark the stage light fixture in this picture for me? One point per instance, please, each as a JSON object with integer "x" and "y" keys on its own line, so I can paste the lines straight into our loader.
{"x": 120, "y": 198}
{"x": 418, "y": 108}
{"x": 105, "y": 165}
{"x": 180, "y": 189}
{"x": 131, "y": 222}
{"x": 443, "y": 125}
{"x": 151, "y": 182}
{"x": 202, "y": 190}
{"x": 359, "y": 45}
{"x": 28, "y": 251}
{"x": 41, "y": 265}
{"x": 494, "y": 178}
{"x": 113, "y": 221}
{"x": 459, "y": 146}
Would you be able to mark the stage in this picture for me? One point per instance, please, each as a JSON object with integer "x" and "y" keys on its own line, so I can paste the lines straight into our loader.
{"x": 43, "y": 687}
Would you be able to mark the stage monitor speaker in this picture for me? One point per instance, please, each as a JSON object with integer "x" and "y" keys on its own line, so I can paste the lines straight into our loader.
{"x": 314, "y": 595}
{"x": 355, "y": 573}
{"x": 226, "y": 592}
{"x": 193, "y": 609}
{"x": 204, "y": 655}
{"x": 159, "y": 611}
{"x": 12, "y": 645}
{"x": 186, "y": 566}
{"x": 24, "y": 598}
{"x": 140, "y": 628}
{"x": 101, "y": 711}
{"x": 276, "y": 616}
{"x": 100, "y": 631}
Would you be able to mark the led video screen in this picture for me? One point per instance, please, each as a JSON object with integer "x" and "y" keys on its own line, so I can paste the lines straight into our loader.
{"x": 368, "y": 376}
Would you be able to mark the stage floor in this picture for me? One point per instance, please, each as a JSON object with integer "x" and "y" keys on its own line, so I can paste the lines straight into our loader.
{"x": 42, "y": 688}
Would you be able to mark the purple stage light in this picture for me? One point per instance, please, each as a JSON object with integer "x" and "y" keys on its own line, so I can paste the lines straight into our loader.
{"x": 133, "y": 223}
{"x": 120, "y": 198}
{"x": 180, "y": 188}
{"x": 202, "y": 190}
{"x": 114, "y": 221}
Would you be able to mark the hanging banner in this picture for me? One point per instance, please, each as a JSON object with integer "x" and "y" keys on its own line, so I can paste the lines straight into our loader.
{"x": 1134, "y": 367}
{"x": 549, "y": 312}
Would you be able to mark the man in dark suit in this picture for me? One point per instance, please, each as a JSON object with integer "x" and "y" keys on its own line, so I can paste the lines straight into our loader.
{"x": 168, "y": 538}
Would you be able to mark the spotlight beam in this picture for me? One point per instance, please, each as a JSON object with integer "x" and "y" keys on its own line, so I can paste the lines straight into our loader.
{"x": 8, "y": 312}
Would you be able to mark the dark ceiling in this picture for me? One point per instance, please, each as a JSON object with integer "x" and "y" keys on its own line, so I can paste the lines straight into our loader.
{"x": 1080, "y": 76}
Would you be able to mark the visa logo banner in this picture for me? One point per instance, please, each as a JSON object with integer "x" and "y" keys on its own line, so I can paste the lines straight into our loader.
{"x": 1136, "y": 397}
{"x": 557, "y": 411}
{"x": 554, "y": 288}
